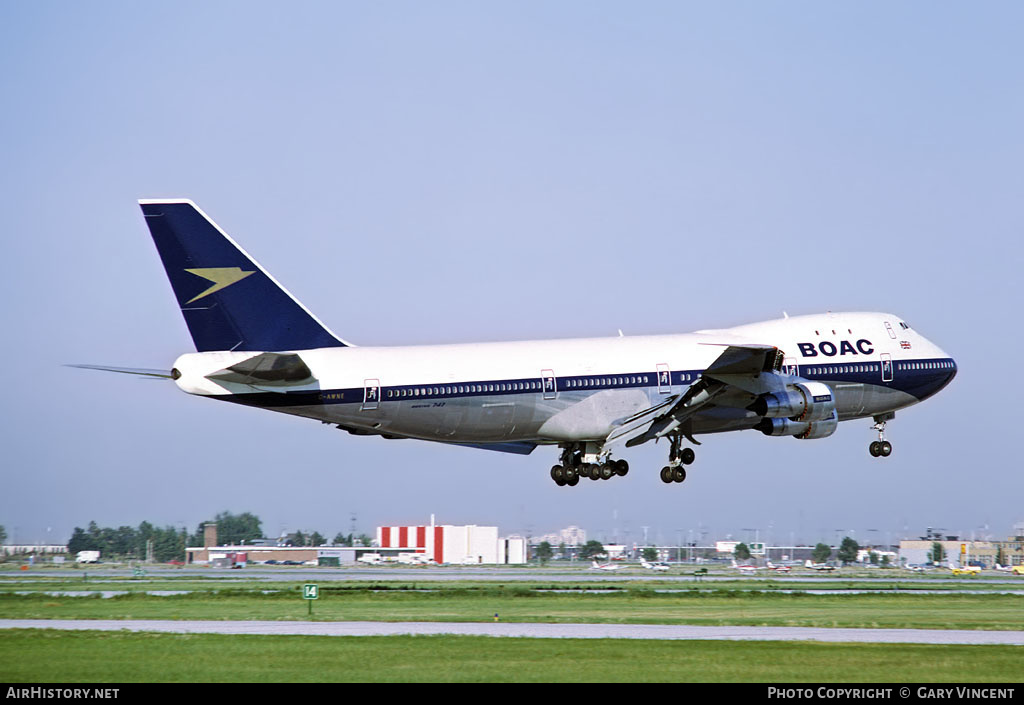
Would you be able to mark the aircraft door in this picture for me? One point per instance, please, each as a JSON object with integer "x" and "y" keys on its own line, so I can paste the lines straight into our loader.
{"x": 790, "y": 367}
{"x": 371, "y": 394}
{"x": 548, "y": 384}
{"x": 664, "y": 379}
{"x": 886, "y": 367}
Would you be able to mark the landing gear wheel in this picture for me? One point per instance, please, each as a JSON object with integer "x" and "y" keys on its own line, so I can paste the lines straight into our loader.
{"x": 572, "y": 478}
{"x": 558, "y": 475}
{"x": 687, "y": 456}
{"x": 679, "y": 474}
{"x": 666, "y": 474}
{"x": 881, "y": 448}
{"x": 592, "y": 471}
{"x": 607, "y": 471}
{"x": 621, "y": 468}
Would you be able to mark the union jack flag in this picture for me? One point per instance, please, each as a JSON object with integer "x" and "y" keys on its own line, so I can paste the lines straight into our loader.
{"x": 905, "y": 344}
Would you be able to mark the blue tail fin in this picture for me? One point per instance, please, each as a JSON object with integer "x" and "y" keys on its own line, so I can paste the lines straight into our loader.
{"x": 228, "y": 300}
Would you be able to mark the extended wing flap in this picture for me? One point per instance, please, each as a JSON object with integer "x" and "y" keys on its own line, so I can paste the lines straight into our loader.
{"x": 638, "y": 424}
{"x": 739, "y": 366}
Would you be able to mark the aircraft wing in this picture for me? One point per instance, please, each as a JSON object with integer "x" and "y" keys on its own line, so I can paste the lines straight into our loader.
{"x": 741, "y": 366}
{"x": 517, "y": 447}
{"x": 738, "y": 367}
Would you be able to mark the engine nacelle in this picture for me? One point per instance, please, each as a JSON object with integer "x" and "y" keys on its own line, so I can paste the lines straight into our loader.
{"x": 803, "y": 401}
{"x": 806, "y": 430}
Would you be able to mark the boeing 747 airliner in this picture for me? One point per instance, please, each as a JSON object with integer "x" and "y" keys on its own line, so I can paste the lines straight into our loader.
{"x": 798, "y": 377}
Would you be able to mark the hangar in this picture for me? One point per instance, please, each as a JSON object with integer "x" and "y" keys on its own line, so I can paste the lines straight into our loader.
{"x": 464, "y": 545}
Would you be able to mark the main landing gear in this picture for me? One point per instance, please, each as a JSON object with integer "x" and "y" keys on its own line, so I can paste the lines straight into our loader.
{"x": 578, "y": 461}
{"x": 677, "y": 458}
{"x": 881, "y": 448}
{"x": 583, "y": 460}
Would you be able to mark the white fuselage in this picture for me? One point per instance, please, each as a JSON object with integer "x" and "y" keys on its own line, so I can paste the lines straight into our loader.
{"x": 557, "y": 391}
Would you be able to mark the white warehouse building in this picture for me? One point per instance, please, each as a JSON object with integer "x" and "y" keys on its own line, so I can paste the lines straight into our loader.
{"x": 464, "y": 545}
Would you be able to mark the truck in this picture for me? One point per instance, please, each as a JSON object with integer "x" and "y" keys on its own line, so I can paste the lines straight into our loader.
{"x": 231, "y": 559}
{"x": 87, "y": 557}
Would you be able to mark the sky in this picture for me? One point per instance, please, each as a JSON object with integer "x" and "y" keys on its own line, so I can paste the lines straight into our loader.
{"x": 429, "y": 172}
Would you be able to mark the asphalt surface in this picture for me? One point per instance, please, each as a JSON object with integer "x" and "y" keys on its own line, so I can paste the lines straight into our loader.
{"x": 580, "y": 574}
{"x": 537, "y": 631}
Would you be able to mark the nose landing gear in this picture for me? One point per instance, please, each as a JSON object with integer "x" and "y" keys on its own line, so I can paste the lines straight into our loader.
{"x": 881, "y": 448}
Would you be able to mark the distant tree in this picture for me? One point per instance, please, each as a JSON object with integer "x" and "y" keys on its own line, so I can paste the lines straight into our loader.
{"x": 848, "y": 550}
{"x": 1000, "y": 552}
{"x": 938, "y": 553}
{"x": 650, "y": 554}
{"x": 363, "y": 539}
{"x": 233, "y": 529}
{"x": 168, "y": 544}
{"x": 821, "y": 553}
{"x": 873, "y": 558}
{"x": 3, "y": 534}
{"x": 591, "y": 549}
{"x": 561, "y": 549}
{"x": 94, "y": 535}
{"x": 81, "y": 541}
{"x": 124, "y": 541}
{"x": 316, "y": 539}
{"x": 544, "y": 552}
{"x": 885, "y": 561}
{"x": 343, "y": 539}
{"x": 741, "y": 552}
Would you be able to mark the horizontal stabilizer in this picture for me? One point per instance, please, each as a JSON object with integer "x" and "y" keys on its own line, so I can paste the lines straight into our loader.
{"x": 140, "y": 371}
{"x": 266, "y": 369}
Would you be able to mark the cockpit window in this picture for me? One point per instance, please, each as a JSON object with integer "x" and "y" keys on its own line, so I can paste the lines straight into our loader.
{"x": 904, "y": 326}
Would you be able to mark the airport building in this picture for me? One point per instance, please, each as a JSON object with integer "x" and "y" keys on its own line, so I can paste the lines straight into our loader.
{"x": 465, "y": 545}
{"x": 954, "y": 552}
{"x": 569, "y": 537}
{"x": 960, "y": 552}
{"x": 32, "y": 549}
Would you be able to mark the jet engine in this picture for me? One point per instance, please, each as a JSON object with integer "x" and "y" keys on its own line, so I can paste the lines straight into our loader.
{"x": 803, "y": 401}
{"x": 804, "y": 430}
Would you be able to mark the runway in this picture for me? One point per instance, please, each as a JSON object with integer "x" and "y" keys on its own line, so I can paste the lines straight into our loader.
{"x": 533, "y": 631}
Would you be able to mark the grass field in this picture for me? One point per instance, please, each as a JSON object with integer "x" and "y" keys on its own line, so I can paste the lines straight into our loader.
{"x": 122, "y": 657}
{"x": 523, "y": 604}
{"x": 86, "y": 656}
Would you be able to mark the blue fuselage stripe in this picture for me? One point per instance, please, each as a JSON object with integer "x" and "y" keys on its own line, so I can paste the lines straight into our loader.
{"x": 919, "y": 378}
